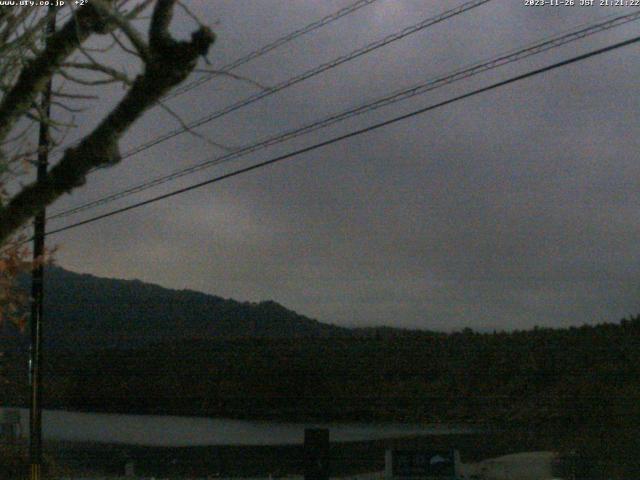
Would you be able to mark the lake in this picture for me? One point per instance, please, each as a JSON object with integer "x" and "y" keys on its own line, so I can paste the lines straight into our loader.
{"x": 156, "y": 430}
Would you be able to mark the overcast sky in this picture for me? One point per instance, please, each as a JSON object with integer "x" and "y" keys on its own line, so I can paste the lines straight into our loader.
{"x": 513, "y": 208}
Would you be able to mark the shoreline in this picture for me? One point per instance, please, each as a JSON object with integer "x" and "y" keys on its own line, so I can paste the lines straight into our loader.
{"x": 347, "y": 458}
{"x": 178, "y": 431}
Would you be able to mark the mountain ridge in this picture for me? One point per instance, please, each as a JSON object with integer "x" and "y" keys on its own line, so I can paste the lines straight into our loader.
{"x": 87, "y": 312}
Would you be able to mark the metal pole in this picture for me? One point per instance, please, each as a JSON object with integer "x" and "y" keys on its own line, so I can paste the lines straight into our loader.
{"x": 37, "y": 284}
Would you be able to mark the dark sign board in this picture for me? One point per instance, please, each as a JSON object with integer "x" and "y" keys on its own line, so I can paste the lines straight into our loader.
{"x": 423, "y": 463}
{"x": 316, "y": 454}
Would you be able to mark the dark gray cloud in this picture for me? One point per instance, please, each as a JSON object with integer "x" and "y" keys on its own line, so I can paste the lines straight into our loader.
{"x": 512, "y": 208}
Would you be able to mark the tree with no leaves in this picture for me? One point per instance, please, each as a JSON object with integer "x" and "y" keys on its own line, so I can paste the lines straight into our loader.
{"x": 27, "y": 63}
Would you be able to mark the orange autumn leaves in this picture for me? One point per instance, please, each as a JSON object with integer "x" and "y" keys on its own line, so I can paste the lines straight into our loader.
{"x": 15, "y": 260}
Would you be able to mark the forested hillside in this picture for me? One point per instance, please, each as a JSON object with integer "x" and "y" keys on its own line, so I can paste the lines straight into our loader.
{"x": 578, "y": 387}
{"x": 208, "y": 356}
{"x": 87, "y": 312}
{"x": 544, "y": 376}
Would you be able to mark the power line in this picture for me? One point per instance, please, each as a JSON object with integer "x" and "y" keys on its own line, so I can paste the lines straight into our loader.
{"x": 424, "y": 87}
{"x": 304, "y": 76}
{"x": 352, "y": 134}
{"x": 270, "y": 46}
{"x": 275, "y": 44}
{"x": 309, "y": 74}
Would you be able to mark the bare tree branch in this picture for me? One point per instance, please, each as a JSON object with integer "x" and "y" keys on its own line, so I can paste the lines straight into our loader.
{"x": 35, "y": 75}
{"x": 124, "y": 25}
{"x": 169, "y": 62}
{"x": 99, "y": 67}
{"x": 190, "y": 130}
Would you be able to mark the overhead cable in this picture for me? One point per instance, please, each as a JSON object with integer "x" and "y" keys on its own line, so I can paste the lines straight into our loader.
{"x": 352, "y": 134}
{"x": 423, "y": 87}
{"x": 309, "y": 74}
{"x": 273, "y": 45}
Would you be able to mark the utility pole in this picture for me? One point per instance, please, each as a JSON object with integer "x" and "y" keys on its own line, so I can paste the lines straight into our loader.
{"x": 37, "y": 283}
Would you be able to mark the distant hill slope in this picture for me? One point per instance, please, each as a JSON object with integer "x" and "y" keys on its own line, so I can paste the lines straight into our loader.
{"x": 84, "y": 311}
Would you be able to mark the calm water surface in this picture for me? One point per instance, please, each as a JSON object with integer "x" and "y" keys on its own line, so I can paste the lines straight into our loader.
{"x": 185, "y": 431}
